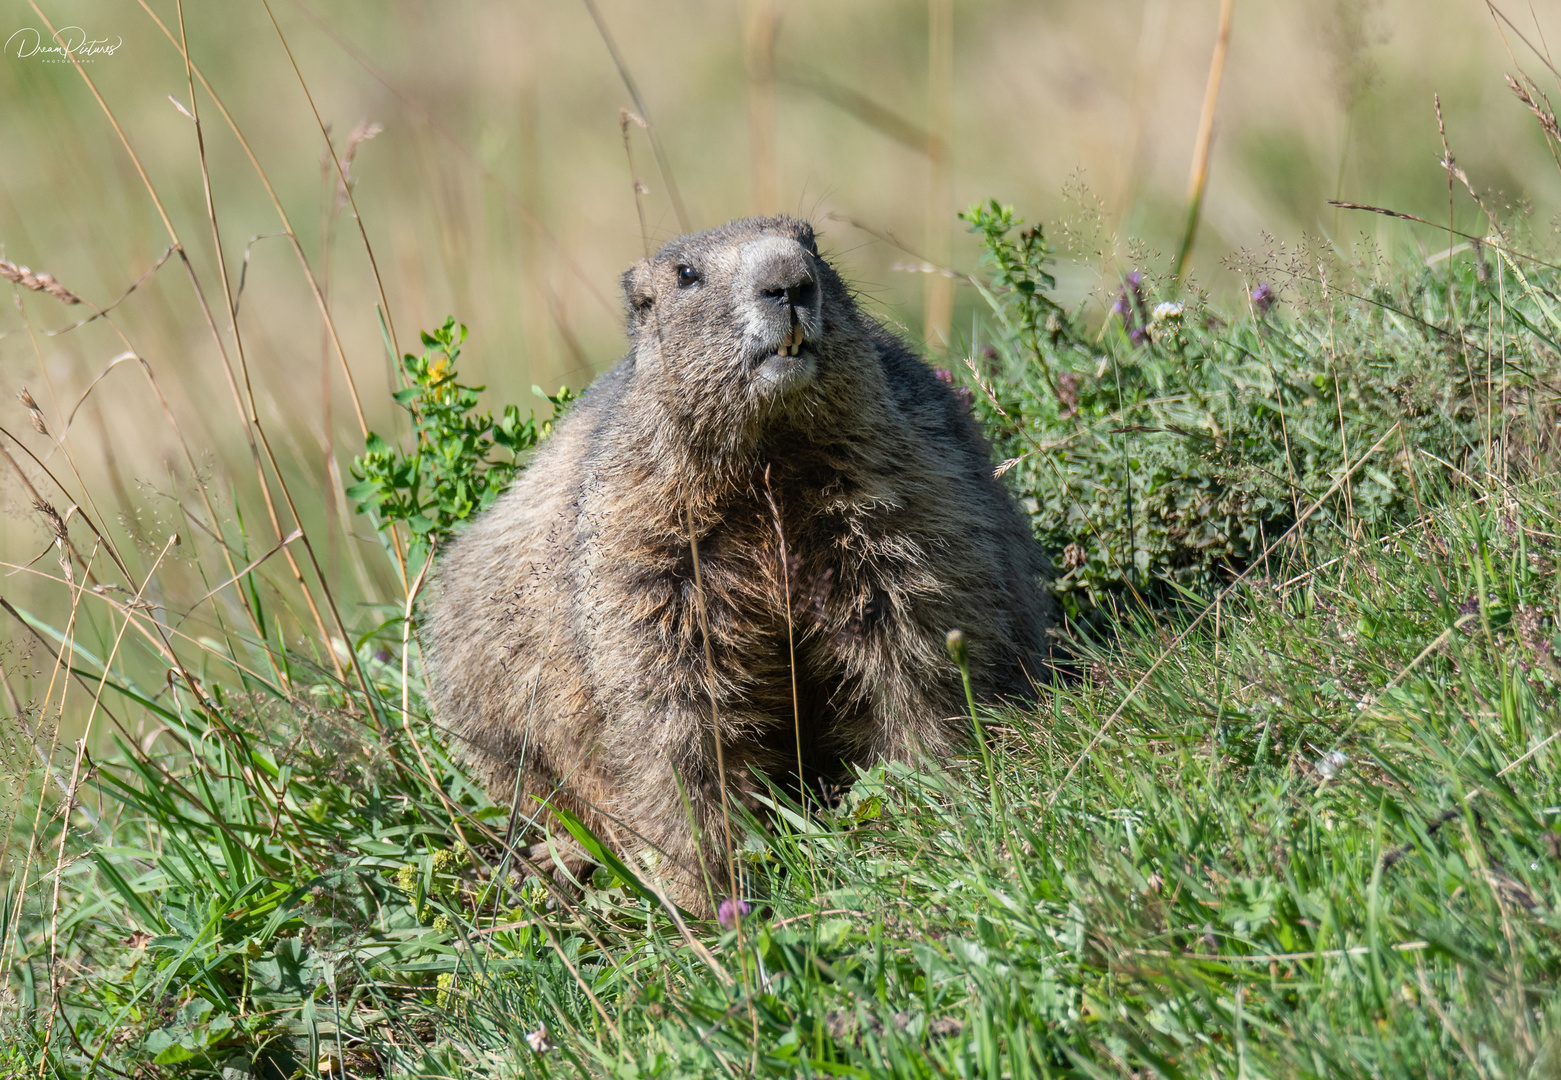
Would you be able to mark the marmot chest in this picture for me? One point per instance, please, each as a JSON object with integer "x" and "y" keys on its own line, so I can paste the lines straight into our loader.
{"x": 807, "y": 559}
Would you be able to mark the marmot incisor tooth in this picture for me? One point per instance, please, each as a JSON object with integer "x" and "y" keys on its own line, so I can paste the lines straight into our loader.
{"x": 758, "y": 406}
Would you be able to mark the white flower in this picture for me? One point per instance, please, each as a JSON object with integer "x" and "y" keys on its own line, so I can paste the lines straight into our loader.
{"x": 537, "y": 1039}
{"x": 1167, "y": 310}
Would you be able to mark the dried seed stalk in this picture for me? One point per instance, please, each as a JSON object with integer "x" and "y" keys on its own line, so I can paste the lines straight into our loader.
{"x": 23, "y": 276}
{"x": 1541, "y": 108}
{"x": 33, "y": 412}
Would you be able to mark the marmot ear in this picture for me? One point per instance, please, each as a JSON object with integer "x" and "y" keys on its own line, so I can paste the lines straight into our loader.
{"x": 639, "y": 294}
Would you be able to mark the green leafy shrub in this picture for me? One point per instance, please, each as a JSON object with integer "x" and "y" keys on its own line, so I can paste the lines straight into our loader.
{"x": 461, "y": 459}
{"x": 1167, "y": 451}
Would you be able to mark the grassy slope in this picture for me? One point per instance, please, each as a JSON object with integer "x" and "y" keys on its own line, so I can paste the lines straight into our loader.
{"x": 1324, "y": 845}
{"x": 1311, "y": 833}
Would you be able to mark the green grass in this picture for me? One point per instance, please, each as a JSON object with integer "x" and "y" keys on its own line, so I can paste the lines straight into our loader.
{"x": 1322, "y": 843}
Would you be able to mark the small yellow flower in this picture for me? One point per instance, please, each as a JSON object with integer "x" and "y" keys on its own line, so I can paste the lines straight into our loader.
{"x": 439, "y": 370}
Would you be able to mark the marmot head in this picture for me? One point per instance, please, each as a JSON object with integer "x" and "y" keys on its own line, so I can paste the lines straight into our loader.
{"x": 747, "y": 321}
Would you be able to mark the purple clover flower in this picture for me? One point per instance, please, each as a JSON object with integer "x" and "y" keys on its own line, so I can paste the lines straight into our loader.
{"x": 1129, "y": 307}
{"x": 946, "y": 377}
{"x": 1263, "y": 299}
{"x": 731, "y": 910}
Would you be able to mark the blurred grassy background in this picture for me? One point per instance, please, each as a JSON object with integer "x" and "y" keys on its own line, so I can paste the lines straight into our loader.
{"x": 498, "y": 190}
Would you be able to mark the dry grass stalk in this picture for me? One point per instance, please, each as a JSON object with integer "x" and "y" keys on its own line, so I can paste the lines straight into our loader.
{"x": 629, "y": 84}
{"x": 1199, "y": 179}
{"x": 360, "y": 135}
{"x": 939, "y": 312}
{"x": 60, "y": 676}
{"x": 524, "y": 209}
{"x": 715, "y": 716}
{"x": 43, "y": 506}
{"x": 175, "y": 244}
{"x": 252, "y": 426}
{"x": 56, "y": 979}
{"x": 784, "y": 559}
{"x": 287, "y": 226}
{"x": 762, "y": 30}
{"x": 625, "y": 117}
{"x": 37, "y": 282}
{"x": 245, "y": 404}
{"x": 1540, "y": 108}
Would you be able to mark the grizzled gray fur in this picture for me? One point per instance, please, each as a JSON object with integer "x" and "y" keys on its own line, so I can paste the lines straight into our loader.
{"x": 757, "y": 407}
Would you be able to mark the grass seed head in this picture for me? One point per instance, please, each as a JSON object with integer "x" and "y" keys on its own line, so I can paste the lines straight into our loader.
{"x": 52, "y": 516}
{"x": 23, "y": 276}
{"x": 1539, "y": 106}
{"x": 34, "y": 413}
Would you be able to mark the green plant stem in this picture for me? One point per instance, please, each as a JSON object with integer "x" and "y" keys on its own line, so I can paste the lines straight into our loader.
{"x": 959, "y": 650}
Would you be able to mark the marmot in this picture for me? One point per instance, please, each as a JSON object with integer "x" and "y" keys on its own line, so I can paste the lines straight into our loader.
{"x": 758, "y": 410}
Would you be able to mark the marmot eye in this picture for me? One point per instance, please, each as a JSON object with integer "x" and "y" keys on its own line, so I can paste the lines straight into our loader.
{"x": 687, "y": 276}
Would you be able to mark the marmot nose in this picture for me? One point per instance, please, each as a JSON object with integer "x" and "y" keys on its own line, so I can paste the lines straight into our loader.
{"x": 780, "y": 272}
{"x": 797, "y": 294}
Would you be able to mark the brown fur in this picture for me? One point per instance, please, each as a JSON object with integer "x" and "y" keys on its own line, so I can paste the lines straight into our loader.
{"x": 564, "y": 622}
